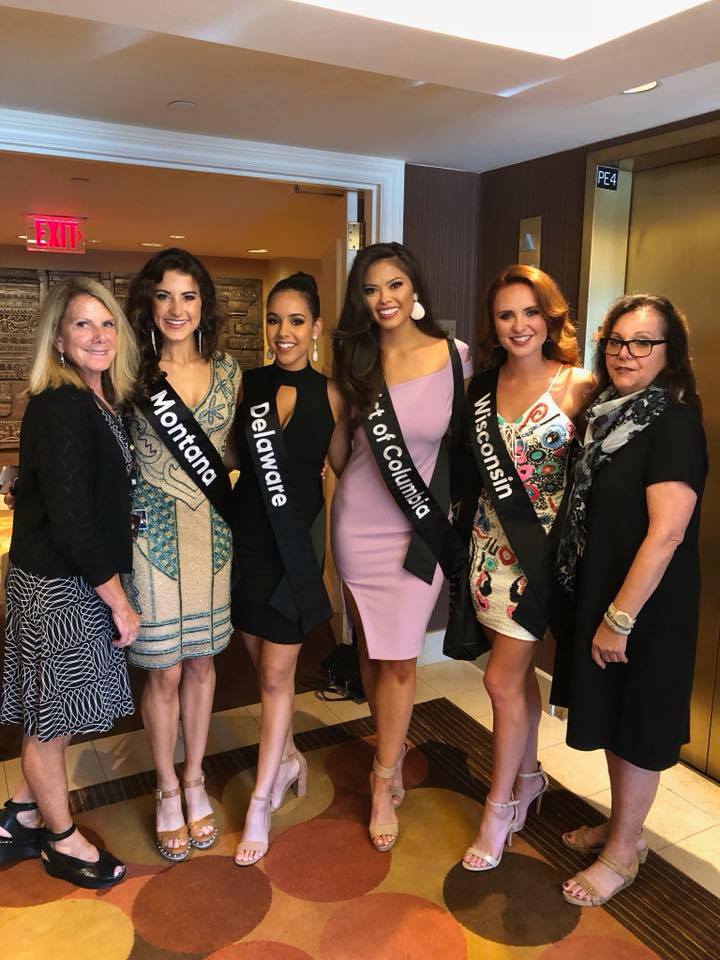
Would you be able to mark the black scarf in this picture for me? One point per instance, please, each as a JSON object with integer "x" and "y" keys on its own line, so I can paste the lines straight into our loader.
{"x": 612, "y": 422}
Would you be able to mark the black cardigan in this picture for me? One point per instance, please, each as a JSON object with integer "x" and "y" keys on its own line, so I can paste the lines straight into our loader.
{"x": 72, "y": 507}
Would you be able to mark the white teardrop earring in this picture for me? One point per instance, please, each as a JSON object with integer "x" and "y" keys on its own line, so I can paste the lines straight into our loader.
{"x": 270, "y": 355}
{"x": 314, "y": 356}
{"x": 152, "y": 337}
{"x": 418, "y": 310}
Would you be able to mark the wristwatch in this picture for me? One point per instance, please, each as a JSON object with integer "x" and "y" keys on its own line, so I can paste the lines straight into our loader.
{"x": 621, "y": 618}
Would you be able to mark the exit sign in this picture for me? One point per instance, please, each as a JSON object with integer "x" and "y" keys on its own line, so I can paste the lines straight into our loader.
{"x": 53, "y": 234}
{"x": 606, "y": 178}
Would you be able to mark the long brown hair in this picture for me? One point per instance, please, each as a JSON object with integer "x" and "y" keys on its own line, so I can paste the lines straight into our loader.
{"x": 356, "y": 341}
{"x": 139, "y": 309}
{"x": 561, "y": 344}
{"x": 677, "y": 375}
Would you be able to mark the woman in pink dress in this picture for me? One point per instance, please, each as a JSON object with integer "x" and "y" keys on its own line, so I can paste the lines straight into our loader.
{"x": 387, "y": 338}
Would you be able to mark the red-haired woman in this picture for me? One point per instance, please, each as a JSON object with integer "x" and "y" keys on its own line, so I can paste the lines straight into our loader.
{"x": 524, "y": 404}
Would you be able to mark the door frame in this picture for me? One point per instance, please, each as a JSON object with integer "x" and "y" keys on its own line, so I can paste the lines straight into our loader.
{"x": 63, "y": 136}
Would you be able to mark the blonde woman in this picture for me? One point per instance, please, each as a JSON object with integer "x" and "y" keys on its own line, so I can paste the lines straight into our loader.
{"x": 68, "y": 618}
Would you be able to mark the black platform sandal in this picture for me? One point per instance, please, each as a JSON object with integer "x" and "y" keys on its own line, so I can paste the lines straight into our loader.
{"x": 83, "y": 873}
{"x": 23, "y": 842}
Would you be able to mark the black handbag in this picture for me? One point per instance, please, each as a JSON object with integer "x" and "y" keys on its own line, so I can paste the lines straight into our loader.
{"x": 341, "y": 674}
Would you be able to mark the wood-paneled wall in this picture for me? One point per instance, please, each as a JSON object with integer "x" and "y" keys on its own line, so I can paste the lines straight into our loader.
{"x": 442, "y": 228}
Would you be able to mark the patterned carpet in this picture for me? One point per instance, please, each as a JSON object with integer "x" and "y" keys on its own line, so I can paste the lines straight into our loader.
{"x": 323, "y": 893}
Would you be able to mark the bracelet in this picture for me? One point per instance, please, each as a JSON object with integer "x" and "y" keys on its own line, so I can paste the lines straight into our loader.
{"x": 615, "y": 627}
{"x": 621, "y": 618}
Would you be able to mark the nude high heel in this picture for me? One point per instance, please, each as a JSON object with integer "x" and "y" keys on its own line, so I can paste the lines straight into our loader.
{"x": 298, "y": 782}
{"x": 260, "y": 847}
{"x": 490, "y": 861}
{"x": 391, "y": 828}
{"x": 537, "y": 797}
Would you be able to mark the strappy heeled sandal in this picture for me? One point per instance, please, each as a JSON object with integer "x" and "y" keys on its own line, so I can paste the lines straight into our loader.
{"x": 298, "y": 782}
{"x": 490, "y": 861}
{"x": 537, "y": 797}
{"x": 577, "y": 840}
{"x": 627, "y": 874}
{"x": 202, "y": 841}
{"x": 254, "y": 846}
{"x": 392, "y": 828}
{"x": 398, "y": 790}
{"x": 181, "y": 851}
{"x": 83, "y": 873}
{"x": 23, "y": 842}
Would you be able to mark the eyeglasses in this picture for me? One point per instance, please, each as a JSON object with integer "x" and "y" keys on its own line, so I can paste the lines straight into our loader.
{"x": 637, "y": 348}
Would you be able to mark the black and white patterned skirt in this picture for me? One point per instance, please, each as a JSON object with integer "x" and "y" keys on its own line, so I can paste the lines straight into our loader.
{"x": 61, "y": 673}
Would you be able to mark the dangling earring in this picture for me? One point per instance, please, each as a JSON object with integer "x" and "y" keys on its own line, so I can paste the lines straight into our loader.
{"x": 314, "y": 356}
{"x": 152, "y": 337}
{"x": 62, "y": 359}
{"x": 270, "y": 355}
{"x": 199, "y": 341}
{"x": 418, "y": 310}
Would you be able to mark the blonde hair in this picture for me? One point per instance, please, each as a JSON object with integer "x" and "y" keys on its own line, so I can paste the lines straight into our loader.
{"x": 47, "y": 371}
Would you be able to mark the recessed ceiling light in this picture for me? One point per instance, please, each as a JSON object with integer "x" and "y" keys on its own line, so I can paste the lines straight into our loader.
{"x": 258, "y": 250}
{"x": 182, "y": 105}
{"x": 94, "y": 241}
{"x": 176, "y": 236}
{"x": 22, "y": 236}
{"x": 149, "y": 243}
{"x": 554, "y": 28}
{"x": 643, "y": 87}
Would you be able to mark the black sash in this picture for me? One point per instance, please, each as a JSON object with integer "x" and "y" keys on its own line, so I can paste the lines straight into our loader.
{"x": 270, "y": 459}
{"x": 533, "y": 547}
{"x": 438, "y": 542}
{"x": 189, "y": 445}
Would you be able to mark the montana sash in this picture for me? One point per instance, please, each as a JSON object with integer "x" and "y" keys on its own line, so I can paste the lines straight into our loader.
{"x": 189, "y": 445}
{"x": 533, "y": 547}
{"x": 294, "y": 541}
{"x": 413, "y": 496}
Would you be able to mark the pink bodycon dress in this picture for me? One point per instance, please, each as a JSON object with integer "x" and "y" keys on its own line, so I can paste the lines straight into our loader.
{"x": 370, "y": 535}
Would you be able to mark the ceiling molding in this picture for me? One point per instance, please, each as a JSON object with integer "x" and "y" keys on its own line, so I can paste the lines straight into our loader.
{"x": 61, "y": 136}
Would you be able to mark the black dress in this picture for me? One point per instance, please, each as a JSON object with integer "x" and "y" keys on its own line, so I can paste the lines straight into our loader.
{"x": 259, "y": 568}
{"x": 640, "y": 711}
{"x": 71, "y": 532}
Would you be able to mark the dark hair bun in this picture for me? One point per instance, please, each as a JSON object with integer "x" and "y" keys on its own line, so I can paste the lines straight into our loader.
{"x": 303, "y": 283}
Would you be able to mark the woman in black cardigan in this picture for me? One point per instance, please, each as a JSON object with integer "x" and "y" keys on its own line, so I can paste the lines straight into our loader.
{"x": 67, "y": 615}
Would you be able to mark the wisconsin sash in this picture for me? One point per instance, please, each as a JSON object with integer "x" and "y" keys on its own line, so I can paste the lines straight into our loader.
{"x": 298, "y": 546}
{"x": 534, "y": 548}
{"x": 189, "y": 445}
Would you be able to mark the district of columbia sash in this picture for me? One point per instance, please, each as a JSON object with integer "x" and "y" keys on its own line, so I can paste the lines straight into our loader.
{"x": 533, "y": 547}
{"x": 189, "y": 445}
{"x": 294, "y": 541}
{"x": 434, "y": 540}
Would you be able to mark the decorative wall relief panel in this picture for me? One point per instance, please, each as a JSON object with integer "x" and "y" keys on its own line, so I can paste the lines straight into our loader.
{"x": 21, "y": 293}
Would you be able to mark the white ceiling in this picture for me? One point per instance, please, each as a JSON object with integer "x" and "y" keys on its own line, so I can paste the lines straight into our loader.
{"x": 126, "y": 205}
{"x": 285, "y": 72}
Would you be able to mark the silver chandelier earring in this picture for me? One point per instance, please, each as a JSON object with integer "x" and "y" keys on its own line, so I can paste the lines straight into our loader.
{"x": 62, "y": 359}
{"x": 314, "y": 357}
{"x": 152, "y": 337}
{"x": 418, "y": 310}
{"x": 270, "y": 355}
{"x": 199, "y": 341}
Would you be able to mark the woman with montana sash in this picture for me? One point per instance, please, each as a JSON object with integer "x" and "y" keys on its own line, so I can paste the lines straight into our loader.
{"x": 392, "y": 541}
{"x": 523, "y": 410}
{"x": 290, "y": 419}
{"x": 184, "y": 408}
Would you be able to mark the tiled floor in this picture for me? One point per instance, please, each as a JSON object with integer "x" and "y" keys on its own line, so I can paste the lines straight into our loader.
{"x": 683, "y": 826}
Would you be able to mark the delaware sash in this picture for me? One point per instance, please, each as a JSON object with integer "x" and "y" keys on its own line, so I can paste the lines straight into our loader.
{"x": 189, "y": 445}
{"x": 434, "y": 539}
{"x": 294, "y": 541}
{"x": 533, "y": 547}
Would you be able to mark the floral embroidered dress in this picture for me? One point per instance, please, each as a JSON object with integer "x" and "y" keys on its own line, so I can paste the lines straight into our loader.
{"x": 539, "y": 443}
{"x": 183, "y": 553}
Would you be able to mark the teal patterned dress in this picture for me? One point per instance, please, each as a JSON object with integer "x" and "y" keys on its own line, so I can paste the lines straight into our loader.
{"x": 183, "y": 555}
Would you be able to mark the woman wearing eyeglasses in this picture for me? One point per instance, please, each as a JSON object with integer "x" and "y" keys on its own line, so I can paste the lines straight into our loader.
{"x": 629, "y": 551}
